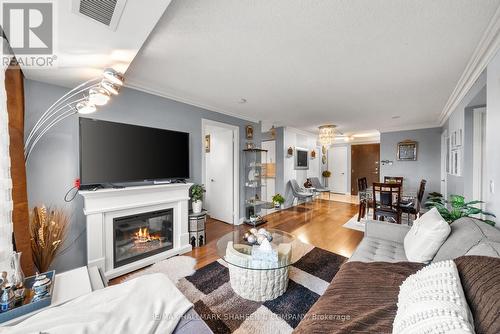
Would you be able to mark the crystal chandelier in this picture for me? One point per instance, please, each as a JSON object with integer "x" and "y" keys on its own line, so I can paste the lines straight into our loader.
{"x": 326, "y": 134}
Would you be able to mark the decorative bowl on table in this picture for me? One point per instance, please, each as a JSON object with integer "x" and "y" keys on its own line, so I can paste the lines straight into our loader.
{"x": 256, "y": 237}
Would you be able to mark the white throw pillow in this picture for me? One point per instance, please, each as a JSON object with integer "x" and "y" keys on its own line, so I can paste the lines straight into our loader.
{"x": 432, "y": 301}
{"x": 426, "y": 236}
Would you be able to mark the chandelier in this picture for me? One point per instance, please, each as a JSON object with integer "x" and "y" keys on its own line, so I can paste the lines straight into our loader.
{"x": 326, "y": 134}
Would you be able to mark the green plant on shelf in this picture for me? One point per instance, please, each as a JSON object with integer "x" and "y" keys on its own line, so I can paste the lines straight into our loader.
{"x": 456, "y": 207}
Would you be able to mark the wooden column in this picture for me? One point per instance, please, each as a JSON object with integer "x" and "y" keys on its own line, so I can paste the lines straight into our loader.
{"x": 14, "y": 87}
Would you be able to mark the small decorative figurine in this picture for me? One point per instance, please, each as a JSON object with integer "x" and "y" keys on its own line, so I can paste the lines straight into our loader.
{"x": 7, "y": 298}
{"x": 41, "y": 286}
{"x": 3, "y": 279}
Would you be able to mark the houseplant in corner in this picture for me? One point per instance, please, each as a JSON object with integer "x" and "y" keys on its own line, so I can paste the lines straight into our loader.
{"x": 197, "y": 191}
{"x": 456, "y": 208}
{"x": 278, "y": 201}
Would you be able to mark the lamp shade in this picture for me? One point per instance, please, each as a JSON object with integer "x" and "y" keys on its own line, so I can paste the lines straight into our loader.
{"x": 110, "y": 87}
{"x": 85, "y": 107}
{"x": 113, "y": 76}
{"x": 98, "y": 96}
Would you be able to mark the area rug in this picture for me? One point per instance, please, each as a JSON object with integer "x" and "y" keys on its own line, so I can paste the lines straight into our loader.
{"x": 224, "y": 311}
{"x": 175, "y": 268}
{"x": 353, "y": 224}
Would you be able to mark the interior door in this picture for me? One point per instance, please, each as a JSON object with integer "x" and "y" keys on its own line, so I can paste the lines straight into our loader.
{"x": 219, "y": 174}
{"x": 365, "y": 162}
{"x": 337, "y": 164}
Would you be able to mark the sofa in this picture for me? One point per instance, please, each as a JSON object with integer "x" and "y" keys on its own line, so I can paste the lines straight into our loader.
{"x": 363, "y": 296}
{"x": 384, "y": 241}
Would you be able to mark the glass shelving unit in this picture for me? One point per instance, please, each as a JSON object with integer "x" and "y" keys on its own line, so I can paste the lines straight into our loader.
{"x": 256, "y": 203}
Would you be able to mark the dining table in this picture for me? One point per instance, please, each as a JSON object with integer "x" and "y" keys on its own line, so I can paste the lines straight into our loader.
{"x": 408, "y": 198}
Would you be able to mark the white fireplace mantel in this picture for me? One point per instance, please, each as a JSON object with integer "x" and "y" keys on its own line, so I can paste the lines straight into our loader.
{"x": 104, "y": 205}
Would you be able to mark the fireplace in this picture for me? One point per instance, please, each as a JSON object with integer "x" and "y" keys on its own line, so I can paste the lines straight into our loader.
{"x": 139, "y": 236}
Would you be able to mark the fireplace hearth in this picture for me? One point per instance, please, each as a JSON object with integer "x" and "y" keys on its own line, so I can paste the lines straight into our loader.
{"x": 139, "y": 236}
{"x": 135, "y": 243}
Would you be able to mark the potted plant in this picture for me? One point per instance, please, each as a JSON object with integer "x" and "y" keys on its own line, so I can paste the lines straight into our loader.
{"x": 197, "y": 191}
{"x": 458, "y": 208}
{"x": 278, "y": 200}
{"x": 326, "y": 174}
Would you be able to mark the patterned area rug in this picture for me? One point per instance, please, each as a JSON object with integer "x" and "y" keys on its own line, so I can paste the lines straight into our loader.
{"x": 210, "y": 291}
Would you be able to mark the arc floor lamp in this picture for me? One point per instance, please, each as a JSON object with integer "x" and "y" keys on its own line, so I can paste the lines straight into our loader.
{"x": 83, "y": 99}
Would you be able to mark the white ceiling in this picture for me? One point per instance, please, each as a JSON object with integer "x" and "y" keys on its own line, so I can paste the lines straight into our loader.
{"x": 299, "y": 63}
{"x": 85, "y": 47}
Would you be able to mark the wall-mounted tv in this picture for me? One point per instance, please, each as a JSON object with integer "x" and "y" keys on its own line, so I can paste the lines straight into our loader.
{"x": 119, "y": 153}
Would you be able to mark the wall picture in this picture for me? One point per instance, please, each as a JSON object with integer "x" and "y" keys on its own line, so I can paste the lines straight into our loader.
{"x": 249, "y": 131}
{"x": 301, "y": 158}
{"x": 407, "y": 150}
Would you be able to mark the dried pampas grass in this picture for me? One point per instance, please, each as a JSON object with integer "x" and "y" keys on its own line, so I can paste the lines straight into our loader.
{"x": 48, "y": 231}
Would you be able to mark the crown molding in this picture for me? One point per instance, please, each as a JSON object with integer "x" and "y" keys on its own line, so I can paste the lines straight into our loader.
{"x": 143, "y": 88}
{"x": 486, "y": 49}
{"x": 302, "y": 132}
{"x": 420, "y": 126}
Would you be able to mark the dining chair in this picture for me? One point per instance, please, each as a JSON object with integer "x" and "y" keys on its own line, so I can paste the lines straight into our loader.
{"x": 415, "y": 208}
{"x": 318, "y": 187}
{"x": 394, "y": 179}
{"x": 387, "y": 201}
{"x": 362, "y": 186}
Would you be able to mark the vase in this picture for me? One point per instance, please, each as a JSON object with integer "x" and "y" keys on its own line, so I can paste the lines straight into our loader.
{"x": 197, "y": 205}
{"x": 17, "y": 272}
{"x": 7, "y": 298}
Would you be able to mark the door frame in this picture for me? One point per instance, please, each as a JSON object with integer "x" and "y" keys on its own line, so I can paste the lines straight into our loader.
{"x": 236, "y": 162}
{"x": 445, "y": 164}
{"x": 478, "y": 147}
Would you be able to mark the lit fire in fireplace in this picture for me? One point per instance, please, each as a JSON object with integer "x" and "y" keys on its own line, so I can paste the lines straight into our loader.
{"x": 143, "y": 236}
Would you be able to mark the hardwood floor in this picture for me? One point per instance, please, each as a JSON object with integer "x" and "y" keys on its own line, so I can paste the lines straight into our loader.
{"x": 318, "y": 223}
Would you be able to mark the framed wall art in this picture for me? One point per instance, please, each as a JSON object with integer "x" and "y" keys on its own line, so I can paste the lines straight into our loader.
{"x": 407, "y": 150}
{"x": 249, "y": 131}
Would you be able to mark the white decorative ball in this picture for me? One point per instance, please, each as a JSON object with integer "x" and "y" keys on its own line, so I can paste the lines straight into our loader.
{"x": 252, "y": 239}
{"x": 261, "y": 238}
{"x": 262, "y": 231}
{"x": 253, "y": 230}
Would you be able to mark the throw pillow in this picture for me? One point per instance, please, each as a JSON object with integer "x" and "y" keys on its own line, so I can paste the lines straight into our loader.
{"x": 426, "y": 236}
{"x": 480, "y": 277}
{"x": 432, "y": 301}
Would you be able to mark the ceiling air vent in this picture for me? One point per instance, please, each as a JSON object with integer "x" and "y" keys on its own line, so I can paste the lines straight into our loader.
{"x": 107, "y": 12}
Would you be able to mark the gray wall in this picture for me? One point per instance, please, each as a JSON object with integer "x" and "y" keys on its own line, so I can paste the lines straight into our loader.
{"x": 462, "y": 185}
{"x": 53, "y": 166}
{"x": 428, "y": 161}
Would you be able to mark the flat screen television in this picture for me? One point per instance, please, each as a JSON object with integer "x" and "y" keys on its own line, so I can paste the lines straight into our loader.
{"x": 119, "y": 153}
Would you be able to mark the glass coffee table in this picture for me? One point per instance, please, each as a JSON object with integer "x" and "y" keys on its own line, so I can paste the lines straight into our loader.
{"x": 258, "y": 273}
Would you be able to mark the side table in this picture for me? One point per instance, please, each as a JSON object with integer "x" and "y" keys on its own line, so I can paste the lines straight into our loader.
{"x": 196, "y": 228}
